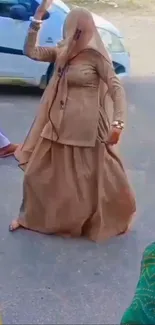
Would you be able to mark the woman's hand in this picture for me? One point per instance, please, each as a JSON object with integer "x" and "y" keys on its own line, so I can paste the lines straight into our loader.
{"x": 114, "y": 135}
{"x": 42, "y": 8}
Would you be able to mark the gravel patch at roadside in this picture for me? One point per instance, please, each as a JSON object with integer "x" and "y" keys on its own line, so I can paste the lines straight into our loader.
{"x": 125, "y": 4}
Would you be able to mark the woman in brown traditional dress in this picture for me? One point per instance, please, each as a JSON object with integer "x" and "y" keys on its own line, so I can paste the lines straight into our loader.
{"x": 74, "y": 182}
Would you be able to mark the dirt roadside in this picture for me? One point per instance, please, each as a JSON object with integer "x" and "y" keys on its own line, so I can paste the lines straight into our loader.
{"x": 137, "y": 24}
{"x": 138, "y": 30}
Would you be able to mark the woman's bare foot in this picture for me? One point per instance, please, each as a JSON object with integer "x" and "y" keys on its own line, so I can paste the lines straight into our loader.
{"x": 8, "y": 150}
{"x": 14, "y": 225}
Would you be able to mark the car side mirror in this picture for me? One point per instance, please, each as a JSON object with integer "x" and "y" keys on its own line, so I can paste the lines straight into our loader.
{"x": 19, "y": 12}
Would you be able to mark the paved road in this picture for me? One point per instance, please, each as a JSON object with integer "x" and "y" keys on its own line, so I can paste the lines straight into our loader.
{"x": 49, "y": 280}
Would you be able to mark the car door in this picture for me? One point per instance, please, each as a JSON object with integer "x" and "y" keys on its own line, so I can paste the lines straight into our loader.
{"x": 11, "y": 40}
{"x": 12, "y": 36}
{"x": 12, "y": 61}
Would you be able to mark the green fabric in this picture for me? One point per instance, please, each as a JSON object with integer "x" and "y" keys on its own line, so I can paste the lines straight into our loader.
{"x": 142, "y": 308}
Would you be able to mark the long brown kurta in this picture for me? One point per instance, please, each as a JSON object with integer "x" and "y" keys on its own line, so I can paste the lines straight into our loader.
{"x": 76, "y": 185}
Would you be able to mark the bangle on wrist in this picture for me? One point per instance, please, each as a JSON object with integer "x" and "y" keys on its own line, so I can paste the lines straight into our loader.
{"x": 38, "y": 21}
{"x": 35, "y": 24}
{"x": 118, "y": 124}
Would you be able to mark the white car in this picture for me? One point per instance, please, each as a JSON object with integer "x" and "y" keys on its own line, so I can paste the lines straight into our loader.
{"x": 15, "y": 68}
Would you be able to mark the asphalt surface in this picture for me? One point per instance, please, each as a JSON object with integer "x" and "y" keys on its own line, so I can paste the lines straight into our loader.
{"x": 50, "y": 280}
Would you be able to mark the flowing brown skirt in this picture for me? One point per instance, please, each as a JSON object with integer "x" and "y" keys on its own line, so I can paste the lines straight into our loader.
{"x": 76, "y": 191}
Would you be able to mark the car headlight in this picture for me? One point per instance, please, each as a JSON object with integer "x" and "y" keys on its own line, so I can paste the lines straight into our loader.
{"x": 112, "y": 42}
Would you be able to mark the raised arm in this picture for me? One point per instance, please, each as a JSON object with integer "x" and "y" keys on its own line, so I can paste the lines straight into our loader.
{"x": 116, "y": 90}
{"x": 31, "y": 49}
{"x": 35, "y": 52}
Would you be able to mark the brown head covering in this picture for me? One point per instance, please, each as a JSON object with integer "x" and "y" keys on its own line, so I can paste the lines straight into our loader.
{"x": 79, "y": 33}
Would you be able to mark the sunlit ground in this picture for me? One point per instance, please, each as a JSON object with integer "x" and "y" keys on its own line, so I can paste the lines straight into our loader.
{"x": 114, "y": 4}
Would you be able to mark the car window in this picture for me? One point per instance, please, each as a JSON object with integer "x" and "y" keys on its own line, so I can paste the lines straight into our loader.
{"x": 29, "y": 5}
{"x": 6, "y": 5}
